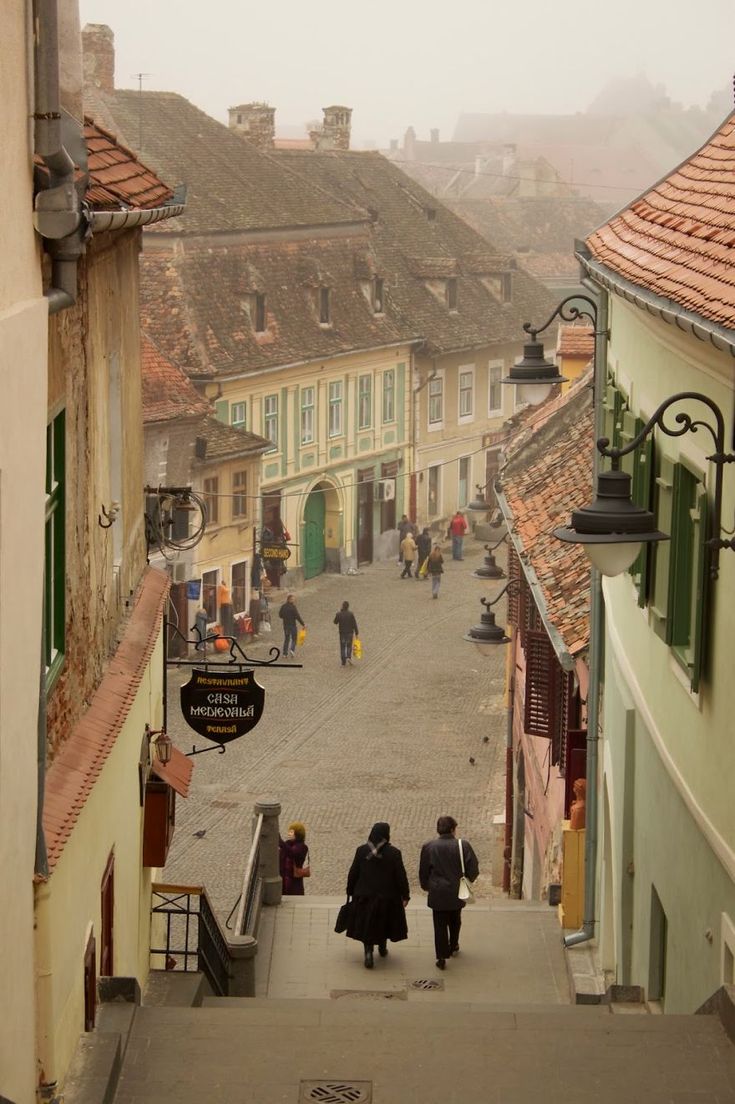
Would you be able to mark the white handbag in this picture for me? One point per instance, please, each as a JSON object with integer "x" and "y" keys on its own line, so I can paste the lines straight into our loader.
{"x": 465, "y": 890}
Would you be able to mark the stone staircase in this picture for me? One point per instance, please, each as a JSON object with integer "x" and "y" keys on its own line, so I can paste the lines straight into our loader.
{"x": 405, "y": 1033}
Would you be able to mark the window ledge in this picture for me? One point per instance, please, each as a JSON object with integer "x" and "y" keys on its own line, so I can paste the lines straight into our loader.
{"x": 680, "y": 670}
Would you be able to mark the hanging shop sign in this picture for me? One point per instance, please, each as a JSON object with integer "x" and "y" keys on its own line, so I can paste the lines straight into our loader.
{"x": 222, "y": 705}
{"x": 275, "y": 551}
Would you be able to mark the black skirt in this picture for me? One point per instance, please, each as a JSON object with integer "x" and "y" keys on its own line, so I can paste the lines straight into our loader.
{"x": 377, "y": 919}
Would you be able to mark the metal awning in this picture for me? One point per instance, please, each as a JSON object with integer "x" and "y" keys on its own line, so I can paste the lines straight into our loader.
{"x": 177, "y": 772}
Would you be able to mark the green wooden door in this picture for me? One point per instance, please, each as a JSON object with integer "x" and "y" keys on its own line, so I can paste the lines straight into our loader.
{"x": 314, "y": 554}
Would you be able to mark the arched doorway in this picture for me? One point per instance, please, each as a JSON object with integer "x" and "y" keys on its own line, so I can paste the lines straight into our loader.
{"x": 322, "y": 537}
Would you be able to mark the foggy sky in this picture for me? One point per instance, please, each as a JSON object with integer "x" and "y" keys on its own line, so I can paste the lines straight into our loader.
{"x": 415, "y": 62}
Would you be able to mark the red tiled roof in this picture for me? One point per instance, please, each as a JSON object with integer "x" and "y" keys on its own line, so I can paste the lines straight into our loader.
{"x": 117, "y": 178}
{"x": 167, "y": 391}
{"x": 677, "y": 239}
{"x": 576, "y": 341}
{"x": 543, "y": 482}
{"x": 80, "y": 760}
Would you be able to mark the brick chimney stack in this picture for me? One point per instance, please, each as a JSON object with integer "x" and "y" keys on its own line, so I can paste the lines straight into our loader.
{"x": 256, "y": 122}
{"x": 98, "y": 44}
{"x": 334, "y": 132}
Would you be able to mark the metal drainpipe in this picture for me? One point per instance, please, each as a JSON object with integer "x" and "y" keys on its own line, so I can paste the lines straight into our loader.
{"x": 509, "y": 699}
{"x": 597, "y": 625}
{"x": 58, "y": 215}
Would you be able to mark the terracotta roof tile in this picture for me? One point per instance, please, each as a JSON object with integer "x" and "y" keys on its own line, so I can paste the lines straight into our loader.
{"x": 676, "y": 239}
{"x": 117, "y": 178}
{"x": 549, "y": 474}
{"x": 576, "y": 341}
{"x": 80, "y": 759}
{"x": 167, "y": 391}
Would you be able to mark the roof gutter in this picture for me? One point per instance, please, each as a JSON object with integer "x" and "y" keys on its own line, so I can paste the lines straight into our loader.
{"x": 101, "y": 221}
{"x": 565, "y": 657}
{"x": 664, "y": 309}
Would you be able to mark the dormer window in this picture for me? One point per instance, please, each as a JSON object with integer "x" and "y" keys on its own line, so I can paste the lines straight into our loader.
{"x": 451, "y": 293}
{"x": 325, "y": 314}
{"x": 378, "y": 303}
{"x": 260, "y": 315}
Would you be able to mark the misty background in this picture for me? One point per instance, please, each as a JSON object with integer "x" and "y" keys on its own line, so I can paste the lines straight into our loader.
{"x": 422, "y": 63}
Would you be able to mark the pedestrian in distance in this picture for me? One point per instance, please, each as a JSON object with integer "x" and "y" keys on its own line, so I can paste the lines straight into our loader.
{"x": 346, "y": 624}
{"x": 435, "y": 569}
{"x": 293, "y": 860}
{"x": 457, "y": 529}
{"x": 378, "y": 885}
{"x": 440, "y": 869}
{"x": 408, "y": 555}
{"x": 423, "y": 545}
{"x": 405, "y": 526}
{"x": 290, "y": 615}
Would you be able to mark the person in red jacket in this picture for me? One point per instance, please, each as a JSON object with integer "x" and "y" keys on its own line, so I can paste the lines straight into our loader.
{"x": 457, "y": 529}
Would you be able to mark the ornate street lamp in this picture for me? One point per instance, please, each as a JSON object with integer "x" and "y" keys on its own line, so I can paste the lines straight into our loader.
{"x": 534, "y": 373}
{"x": 491, "y": 570}
{"x": 612, "y": 528}
{"x": 487, "y": 634}
{"x": 162, "y": 744}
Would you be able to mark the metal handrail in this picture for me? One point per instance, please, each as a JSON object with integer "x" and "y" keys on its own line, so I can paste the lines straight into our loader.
{"x": 210, "y": 950}
{"x": 250, "y": 881}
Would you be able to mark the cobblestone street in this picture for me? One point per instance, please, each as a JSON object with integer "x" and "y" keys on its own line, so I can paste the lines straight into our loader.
{"x": 389, "y": 738}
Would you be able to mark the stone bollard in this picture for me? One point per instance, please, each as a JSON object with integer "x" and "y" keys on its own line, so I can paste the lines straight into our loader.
{"x": 269, "y": 865}
{"x": 243, "y": 949}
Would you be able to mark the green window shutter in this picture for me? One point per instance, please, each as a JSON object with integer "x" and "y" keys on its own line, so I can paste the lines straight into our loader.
{"x": 661, "y": 553}
{"x": 608, "y": 425}
{"x": 701, "y": 589}
{"x": 643, "y": 469}
{"x": 681, "y": 560}
{"x": 222, "y": 411}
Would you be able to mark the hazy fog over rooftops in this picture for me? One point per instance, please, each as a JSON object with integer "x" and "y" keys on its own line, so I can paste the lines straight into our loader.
{"x": 419, "y": 63}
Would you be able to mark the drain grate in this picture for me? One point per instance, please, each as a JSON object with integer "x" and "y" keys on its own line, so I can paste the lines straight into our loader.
{"x": 336, "y": 1092}
{"x": 427, "y": 983}
{"x": 369, "y": 994}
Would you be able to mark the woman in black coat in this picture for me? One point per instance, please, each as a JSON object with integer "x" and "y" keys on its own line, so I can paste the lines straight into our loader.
{"x": 378, "y": 884}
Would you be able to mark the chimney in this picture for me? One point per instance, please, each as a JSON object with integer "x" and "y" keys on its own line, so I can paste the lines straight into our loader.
{"x": 394, "y": 145}
{"x": 409, "y": 144}
{"x": 98, "y": 44}
{"x": 434, "y": 135}
{"x": 335, "y": 130}
{"x": 256, "y": 122}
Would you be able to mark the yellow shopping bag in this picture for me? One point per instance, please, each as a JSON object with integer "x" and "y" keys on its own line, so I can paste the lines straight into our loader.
{"x": 357, "y": 648}
{"x": 301, "y": 636}
{"x": 424, "y": 569}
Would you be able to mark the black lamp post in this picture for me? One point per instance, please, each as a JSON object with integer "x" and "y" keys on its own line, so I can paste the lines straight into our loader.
{"x": 612, "y": 529}
{"x": 487, "y": 634}
{"x": 534, "y": 373}
{"x": 491, "y": 570}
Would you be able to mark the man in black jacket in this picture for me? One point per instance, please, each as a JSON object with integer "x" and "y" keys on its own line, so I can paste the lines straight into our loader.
{"x": 440, "y": 869}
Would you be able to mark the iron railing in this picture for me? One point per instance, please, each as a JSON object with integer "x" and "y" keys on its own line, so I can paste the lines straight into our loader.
{"x": 192, "y": 939}
{"x": 251, "y": 895}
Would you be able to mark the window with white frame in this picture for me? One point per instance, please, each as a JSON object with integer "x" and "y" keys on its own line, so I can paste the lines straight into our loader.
{"x": 463, "y": 483}
{"x": 307, "y": 415}
{"x": 494, "y": 386}
{"x": 436, "y": 401}
{"x": 365, "y": 402}
{"x": 389, "y": 396}
{"x": 335, "y": 408}
{"x": 239, "y": 588}
{"x": 466, "y": 393}
{"x": 270, "y": 419}
{"x": 239, "y": 494}
{"x": 238, "y": 415}
{"x": 433, "y": 493}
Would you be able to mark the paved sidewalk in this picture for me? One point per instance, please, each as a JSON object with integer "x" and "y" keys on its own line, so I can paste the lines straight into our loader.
{"x": 511, "y": 953}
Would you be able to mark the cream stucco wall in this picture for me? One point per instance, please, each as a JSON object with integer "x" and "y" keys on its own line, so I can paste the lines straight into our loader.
{"x": 23, "y": 361}
{"x": 670, "y": 754}
{"x": 68, "y": 905}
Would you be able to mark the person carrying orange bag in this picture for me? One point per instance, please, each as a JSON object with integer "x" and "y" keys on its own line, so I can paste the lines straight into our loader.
{"x": 346, "y": 624}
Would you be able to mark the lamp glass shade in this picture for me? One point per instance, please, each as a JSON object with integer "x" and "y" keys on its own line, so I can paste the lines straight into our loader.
{"x": 613, "y": 559}
{"x": 163, "y": 747}
{"x": 534, "y": 393}
{"x": 478, "y": 504}
{"x": 486, "y": 648}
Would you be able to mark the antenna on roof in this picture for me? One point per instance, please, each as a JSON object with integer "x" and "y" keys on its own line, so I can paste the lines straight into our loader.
{"x": 140, "y": 77}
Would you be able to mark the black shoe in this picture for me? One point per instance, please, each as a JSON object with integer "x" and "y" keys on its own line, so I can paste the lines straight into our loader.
{"x": 382, "y": 950}
{"x": 441, "y": 963}
{"x": 454, "y": 951}
{"x": 368, "y": 960}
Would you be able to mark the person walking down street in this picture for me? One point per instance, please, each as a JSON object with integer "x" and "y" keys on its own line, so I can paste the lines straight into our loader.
{"x": 440, "y": 868}
{"x": 435, "y": 569}
{"x": 457, "y": 529}
{"x": 346, "y": 624}
{"x": 404, "y": 528}
{"x": 293, "y": 857}
{"x": 423, "y": 545}
{"x": 408, "y": 555}
{"x": 378, "y": 884}
{"x": 289, "y": 615}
